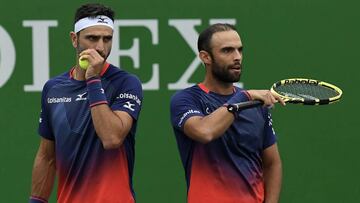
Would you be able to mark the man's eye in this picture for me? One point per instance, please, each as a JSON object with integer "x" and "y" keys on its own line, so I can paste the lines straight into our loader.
{"x": 92, "y": 38}
{"x": 226, "y": 50}
{"x": 107, "y": 39}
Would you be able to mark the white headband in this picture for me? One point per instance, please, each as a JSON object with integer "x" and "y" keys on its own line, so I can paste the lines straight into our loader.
{"x": 92, "y": 21}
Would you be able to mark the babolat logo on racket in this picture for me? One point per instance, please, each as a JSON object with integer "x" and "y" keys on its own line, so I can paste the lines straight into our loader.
{"x": 300, "y": 91}
{"x": 301, "y": 81}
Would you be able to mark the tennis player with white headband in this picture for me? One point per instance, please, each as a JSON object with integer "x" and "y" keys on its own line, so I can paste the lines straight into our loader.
{"x": 92, "y": 21}
{"x": 83, "y": 117}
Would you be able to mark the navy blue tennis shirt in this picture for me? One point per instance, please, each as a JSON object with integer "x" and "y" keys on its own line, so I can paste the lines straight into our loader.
{"x": 228, "y": 169}
{"x": 87, "y": 172}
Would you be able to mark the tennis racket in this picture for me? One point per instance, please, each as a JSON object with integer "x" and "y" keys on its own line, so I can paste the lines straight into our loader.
{"x": 300, "y": 91}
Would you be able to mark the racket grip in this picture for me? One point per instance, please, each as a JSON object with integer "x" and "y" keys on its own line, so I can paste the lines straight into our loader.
{"x": 248, "y": 104}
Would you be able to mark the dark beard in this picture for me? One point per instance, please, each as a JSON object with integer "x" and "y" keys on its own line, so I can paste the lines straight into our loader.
{"x": 223, "y": 74}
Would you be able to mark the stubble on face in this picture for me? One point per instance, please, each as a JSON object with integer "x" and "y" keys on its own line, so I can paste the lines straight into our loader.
{"x": 225, "y": 73}
{"x": 226, "y": 56}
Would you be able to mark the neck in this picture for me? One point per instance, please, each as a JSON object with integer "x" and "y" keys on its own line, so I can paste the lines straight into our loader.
{"x": 218, "y": 87}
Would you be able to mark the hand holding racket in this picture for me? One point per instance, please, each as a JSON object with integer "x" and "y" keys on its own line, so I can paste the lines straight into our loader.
{"x": 266, "y": 97}
{"x": 299, "y": 91}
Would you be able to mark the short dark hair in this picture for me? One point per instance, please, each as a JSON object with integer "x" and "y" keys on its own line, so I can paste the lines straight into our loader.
{"x": 93, "y": 10}
{"x": 206, "y": 35}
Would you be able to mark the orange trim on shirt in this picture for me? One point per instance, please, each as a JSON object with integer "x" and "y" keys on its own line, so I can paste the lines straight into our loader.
{"x": 106, "y": 66}
{"x": 71, "y": 72}
{"x": 204, "y": 88}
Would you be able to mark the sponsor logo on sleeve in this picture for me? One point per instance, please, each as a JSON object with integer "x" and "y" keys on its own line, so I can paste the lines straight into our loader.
{"x": 186, "y": 114}
{"x": 271, "y": 123}
{"x": 129, "y": 96}
{"x": 129, "y": 106}
{"x": 40, "y": 119}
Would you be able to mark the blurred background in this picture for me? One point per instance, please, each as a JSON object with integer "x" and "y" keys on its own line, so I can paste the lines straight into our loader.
{"x": 156, "y": 40}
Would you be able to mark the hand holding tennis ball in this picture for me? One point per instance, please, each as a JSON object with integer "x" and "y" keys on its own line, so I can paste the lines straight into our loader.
{"x": 83, "y": 63}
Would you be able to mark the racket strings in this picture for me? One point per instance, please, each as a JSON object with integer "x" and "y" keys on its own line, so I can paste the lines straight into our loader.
{"x": 306, "y": 91}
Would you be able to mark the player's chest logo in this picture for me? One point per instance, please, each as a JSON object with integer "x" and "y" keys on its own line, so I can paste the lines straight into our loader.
{"x": 81, "y": 97}
{"x": 210, "y": 105}
{"x": 207, "y": 110}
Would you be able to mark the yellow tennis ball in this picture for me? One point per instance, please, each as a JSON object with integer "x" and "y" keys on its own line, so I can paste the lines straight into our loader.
{"x": 83, "y": 63}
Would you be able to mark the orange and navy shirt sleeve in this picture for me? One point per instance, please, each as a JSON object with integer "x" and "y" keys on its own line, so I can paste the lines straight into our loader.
{"x": 182, "y": 107}
{"x": 129, "y": 97}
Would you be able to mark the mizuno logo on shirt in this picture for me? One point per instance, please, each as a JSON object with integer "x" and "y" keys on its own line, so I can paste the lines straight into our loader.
{"x": 53, "y": 100}
{"x": 81, "y": 97}
{"x": 129, "y": 106}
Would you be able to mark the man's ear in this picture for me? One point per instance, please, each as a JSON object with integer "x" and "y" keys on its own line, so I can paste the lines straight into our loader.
{"x": 205, "y": 57}
{"x": 74, "y": 40}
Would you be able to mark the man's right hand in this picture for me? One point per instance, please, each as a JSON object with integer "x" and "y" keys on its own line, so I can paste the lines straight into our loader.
{"x": 266, "y": 96}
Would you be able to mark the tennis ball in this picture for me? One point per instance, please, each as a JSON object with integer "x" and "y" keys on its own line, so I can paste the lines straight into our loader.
{"x": 83, "y": 63}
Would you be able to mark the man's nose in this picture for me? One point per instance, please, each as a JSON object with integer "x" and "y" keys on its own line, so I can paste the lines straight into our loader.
{"x": 238, "y": 55}
{"x": 100, "y": 46}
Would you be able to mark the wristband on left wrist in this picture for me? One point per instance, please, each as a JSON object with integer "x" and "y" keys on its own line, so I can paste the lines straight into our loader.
{"x": 35, "y": 199}
{"x": 96, "y": 93}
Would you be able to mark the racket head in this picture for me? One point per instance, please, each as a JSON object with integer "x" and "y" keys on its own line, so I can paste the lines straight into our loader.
{"x": 306, "y": 91}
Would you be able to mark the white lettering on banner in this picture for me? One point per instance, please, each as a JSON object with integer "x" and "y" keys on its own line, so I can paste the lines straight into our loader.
{"x": 187, "y": 30}
{"x": 231, "y": 21}
{"x": 133, "y": 52}
{"x": 40, "y": 50}
{"x": 40, "y": 39}
{"x": 7, "y": 56}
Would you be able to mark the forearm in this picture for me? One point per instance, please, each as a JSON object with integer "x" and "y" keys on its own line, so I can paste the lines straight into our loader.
{"x": 43, "y": 176}
{"x": 210, "y": 127}
{"x": 109, "y": 126}
{"x": 272, "y": 178}
{"x": 207, "y": 128}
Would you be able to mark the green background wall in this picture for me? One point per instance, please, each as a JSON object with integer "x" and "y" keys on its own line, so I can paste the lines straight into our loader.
{"x": 284, "y": 38}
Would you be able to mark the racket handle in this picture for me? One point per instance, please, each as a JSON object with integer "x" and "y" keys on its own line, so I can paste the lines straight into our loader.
{"x": 248, "y": 104}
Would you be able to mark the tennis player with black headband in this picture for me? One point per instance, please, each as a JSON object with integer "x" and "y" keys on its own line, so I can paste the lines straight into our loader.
{"x": 88, "y": 121}
{"x": 228, "y": 155}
